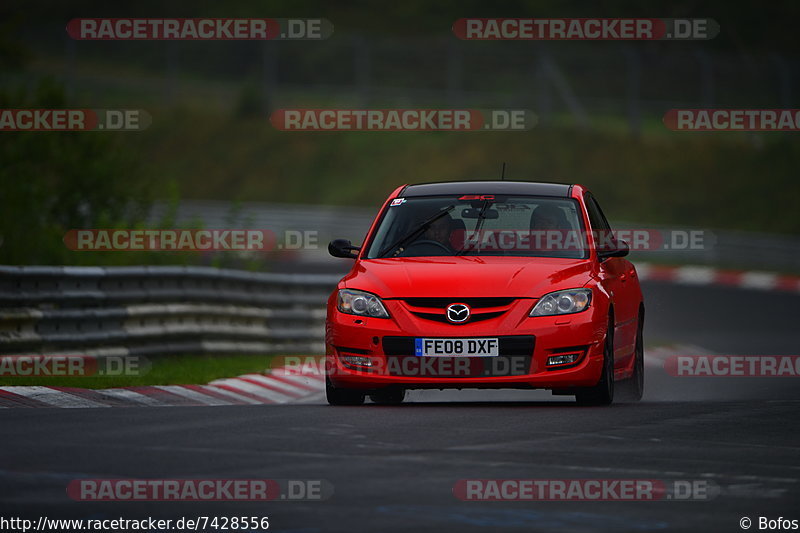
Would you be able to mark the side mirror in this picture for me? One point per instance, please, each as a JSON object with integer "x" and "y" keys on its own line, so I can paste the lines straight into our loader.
{"x": 343, "y": 248}
{"x": 620, "y": 250}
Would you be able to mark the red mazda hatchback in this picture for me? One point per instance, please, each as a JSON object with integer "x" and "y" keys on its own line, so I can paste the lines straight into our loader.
{"x": 486, "y": 284}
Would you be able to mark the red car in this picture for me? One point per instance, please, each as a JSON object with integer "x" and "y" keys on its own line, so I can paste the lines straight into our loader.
{"x": 486, "y": 284}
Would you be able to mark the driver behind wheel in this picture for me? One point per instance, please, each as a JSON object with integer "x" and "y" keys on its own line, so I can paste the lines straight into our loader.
{"x": 441, "y": 231}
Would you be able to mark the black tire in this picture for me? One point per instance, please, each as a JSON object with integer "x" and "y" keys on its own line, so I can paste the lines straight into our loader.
{"x": 389, "y": 396}
{"x": 632, "y": 389}
{"x": 603, "y": 392}
{"x": 339, "y": 396}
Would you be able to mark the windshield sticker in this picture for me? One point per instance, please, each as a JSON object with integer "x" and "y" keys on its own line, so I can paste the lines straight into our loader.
{"x": 397, "y": 201}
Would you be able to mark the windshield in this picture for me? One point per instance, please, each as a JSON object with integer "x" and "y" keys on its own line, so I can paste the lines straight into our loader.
{"x": 525, "y": 226}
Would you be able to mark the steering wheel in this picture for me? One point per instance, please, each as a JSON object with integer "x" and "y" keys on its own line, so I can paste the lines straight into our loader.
{"x": 426, "y": 242}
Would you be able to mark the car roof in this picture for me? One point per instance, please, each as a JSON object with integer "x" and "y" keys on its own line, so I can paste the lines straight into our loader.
{"x": 488, "y": 187}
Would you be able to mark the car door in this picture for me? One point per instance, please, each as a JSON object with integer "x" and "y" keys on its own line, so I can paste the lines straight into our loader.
{"x": 620, "y": 280}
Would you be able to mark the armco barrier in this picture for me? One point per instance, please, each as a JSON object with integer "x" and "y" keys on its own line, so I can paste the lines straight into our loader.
{"x": 165, "y": 310}
{"x": 160, "y": 310}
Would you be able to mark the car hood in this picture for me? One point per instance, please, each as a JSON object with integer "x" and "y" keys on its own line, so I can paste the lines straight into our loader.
{"x": 468, "y": 276}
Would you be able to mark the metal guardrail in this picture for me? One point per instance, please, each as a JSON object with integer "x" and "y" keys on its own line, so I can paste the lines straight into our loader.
{"x": 160, "y": 310}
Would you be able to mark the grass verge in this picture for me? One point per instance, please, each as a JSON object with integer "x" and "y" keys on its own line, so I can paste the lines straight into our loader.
{"x": 170, "y": 370}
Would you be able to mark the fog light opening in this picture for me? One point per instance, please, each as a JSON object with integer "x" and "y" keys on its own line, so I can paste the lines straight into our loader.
{"x": 563, "y": 359}
{"x": 357, "y": 360}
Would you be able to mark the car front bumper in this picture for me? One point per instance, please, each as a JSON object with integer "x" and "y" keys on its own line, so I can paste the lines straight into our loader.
{"x": 526, "y": 343}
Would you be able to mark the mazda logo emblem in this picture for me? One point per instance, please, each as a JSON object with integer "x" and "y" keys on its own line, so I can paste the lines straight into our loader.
{"x": 457, "y": 313}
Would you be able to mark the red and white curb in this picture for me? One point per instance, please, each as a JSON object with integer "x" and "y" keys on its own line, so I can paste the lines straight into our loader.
{"x": 700, "y": 275}
{"x": 277, "y": 387}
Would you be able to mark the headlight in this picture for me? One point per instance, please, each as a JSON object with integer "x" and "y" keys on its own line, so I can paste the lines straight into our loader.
{"x": 360, "y": 303}
{"x": 562, "y": 302}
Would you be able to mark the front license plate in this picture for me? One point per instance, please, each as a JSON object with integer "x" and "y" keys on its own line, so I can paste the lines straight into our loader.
{"x": 487, "y": 347}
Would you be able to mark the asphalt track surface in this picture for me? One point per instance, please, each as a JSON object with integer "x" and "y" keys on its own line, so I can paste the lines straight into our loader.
{"x": 394, "y": 468}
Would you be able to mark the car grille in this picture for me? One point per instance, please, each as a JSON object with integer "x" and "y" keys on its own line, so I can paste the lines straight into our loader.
{"x": 474, "y": 317}
{"x": 474, "y": 303}
{"x": 436, "y": 308}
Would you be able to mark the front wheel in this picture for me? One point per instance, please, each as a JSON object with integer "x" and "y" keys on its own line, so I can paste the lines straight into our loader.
{"x": 340, "y": 396}
{"x": 632, "y": 389}
{"x": 603, "y": 392}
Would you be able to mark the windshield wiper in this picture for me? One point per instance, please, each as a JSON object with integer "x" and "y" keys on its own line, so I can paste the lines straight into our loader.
{"x": 416, "y": 231}
{"x": 478, "y": 226}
